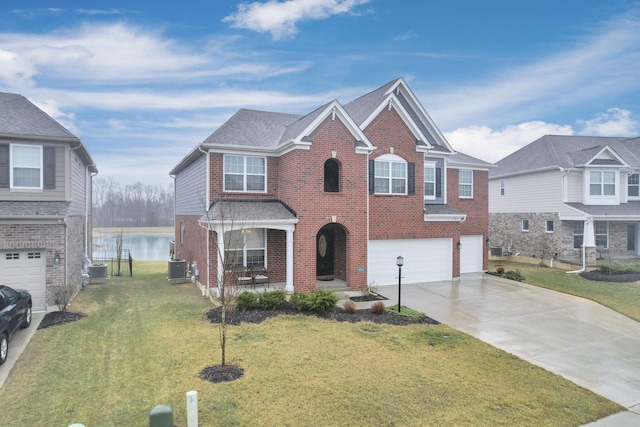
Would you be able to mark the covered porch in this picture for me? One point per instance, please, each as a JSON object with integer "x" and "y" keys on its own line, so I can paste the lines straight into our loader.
{"x": 234, "y": 221}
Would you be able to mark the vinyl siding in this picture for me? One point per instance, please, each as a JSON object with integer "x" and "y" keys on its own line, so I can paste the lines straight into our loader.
{"x": 540, "y": 192}
{"x": 78, "y": 186}
{"x": 191, "y": 188}
{"x": 574, "y": 187}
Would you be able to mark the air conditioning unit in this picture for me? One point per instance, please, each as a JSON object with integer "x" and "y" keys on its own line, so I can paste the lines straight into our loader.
{"x": 177, "y": 269}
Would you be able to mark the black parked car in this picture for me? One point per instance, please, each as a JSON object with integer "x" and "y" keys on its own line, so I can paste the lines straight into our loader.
{"x": 15, "y": 312}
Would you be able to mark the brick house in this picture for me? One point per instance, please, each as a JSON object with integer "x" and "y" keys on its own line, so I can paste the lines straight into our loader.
{"x": 338, "y": 194}
{"x": 575, "y": 195}
{"x": 45, "y": 202}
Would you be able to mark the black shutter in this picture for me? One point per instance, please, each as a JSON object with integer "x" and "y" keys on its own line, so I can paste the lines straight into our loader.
{"x": 438, "y": 182}
{"x": 4, "y": 166}
{"x": 372, "y": 176}
{"x": 411, "y": 184}
{"x": 49, "y": 172}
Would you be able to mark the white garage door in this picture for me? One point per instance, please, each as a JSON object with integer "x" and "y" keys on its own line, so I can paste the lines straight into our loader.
{"x": 25, "y": 270}
{"x": 425, "y": 260}
{"x": 471, "y": 248}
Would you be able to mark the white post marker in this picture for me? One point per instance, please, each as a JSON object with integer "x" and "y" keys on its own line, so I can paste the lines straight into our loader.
{"x": 192, "y": 409}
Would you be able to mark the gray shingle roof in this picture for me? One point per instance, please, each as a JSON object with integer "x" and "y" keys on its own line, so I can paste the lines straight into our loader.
{"x": 459, "y": 157}
{"x": 631, "y": 209}
{"x": 249, "y": 211}
{"x": 18, "y": 116}
{"x": 565, "y": 152}
{"x": 361, "y": 108}
{"x": 252, "y": 128}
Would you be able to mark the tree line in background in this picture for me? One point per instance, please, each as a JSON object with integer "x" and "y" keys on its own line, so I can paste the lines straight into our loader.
{"x": 131, "y": 205}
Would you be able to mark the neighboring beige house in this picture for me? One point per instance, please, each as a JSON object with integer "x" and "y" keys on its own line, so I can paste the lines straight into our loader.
{"x": 45, "y": 202}
{"x": 569, "y": 193}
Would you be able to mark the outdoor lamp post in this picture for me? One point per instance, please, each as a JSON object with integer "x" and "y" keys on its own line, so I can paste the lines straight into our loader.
{"x": 399, "y": 263}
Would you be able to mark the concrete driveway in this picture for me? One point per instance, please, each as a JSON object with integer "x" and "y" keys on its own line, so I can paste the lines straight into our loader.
{"x": 593, "y": 346}
{"x": 17, "y": 345}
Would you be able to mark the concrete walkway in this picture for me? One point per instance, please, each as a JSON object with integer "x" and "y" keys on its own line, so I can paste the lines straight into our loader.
{"x": 17, "y": 345}
{"x": 589, "y": 344}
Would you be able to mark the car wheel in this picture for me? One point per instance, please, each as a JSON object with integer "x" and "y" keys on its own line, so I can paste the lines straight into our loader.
{"x": 4, "y": 348}
{"x": 27, "y": 318}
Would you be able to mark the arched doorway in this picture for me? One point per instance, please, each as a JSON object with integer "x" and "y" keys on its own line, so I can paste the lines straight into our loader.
{"x": 331, "y": 252}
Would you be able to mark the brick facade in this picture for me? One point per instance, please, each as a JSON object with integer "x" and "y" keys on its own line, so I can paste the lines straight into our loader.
{"x": 352, "y": 216}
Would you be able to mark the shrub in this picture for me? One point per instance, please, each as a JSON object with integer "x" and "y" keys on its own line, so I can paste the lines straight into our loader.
{"x": 377, "y": 307}
{"x": 272, "y": 300}
{"x": 617, "y": 269}
{"x": 322, "y": 301}
{"x": 349, "y": 307}
{"x": 500, "y": 270}
{"x": 246, "y": 300}
{"x": 513, "y": 275}
{"x": 63, "y": 295}
{"x": 299, "y": 301}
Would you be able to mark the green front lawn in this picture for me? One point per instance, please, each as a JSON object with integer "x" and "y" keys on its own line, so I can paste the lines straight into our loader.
{"x": 145, "y": 341}
{"x": 621, "y": 297}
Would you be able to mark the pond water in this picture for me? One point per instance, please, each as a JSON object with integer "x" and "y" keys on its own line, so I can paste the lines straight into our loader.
{"x": 141, "y": 246}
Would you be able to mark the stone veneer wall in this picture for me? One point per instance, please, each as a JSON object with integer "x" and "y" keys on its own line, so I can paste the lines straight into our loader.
{"x": 505, "y": 231}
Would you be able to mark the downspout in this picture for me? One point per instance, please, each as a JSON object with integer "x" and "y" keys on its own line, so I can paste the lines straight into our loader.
{"x": 584, "y": 248}
{"x": 206, "y": 207}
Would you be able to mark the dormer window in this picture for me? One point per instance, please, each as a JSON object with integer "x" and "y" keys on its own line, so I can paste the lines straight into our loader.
{"x": 602, "y": 183}
{"x": 601, "y": 187}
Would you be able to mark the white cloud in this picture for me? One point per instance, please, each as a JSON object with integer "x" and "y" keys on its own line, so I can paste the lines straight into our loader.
{"x": 605, "y": 63}
{"x": 280, "y": 18}
{"x": 492, "y": 145}
{"x": 615, "y": 122}
{"x": 121, "y": 53}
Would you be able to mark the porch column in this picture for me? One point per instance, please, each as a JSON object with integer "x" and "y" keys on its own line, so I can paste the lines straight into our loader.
{"x": 289, "y": 278}
{"x": 220, "y": 271}
{"x": 589, "y": 242}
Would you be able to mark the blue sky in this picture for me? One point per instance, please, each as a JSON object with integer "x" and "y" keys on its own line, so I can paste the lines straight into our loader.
{"x": 142, "y": 82}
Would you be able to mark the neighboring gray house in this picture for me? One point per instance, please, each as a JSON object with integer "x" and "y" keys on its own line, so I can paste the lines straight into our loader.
{"x": 45, "y": 202}
{"x": 568, "y": 192}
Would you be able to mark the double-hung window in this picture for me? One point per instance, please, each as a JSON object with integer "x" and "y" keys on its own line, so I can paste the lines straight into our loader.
{"x": 466, "y": 183}
{"x": 390, "y": 175}
{"x": 578, "y": 234}
{"x": 429, "y": 181}
{"x": 26, "y": 166}
{"x": 245, "y": 174}
{"x": 245, "y": 247}
{"x": 602, "y": 183}
{"x": 633, "y": 185}
{"x": 601, "y": 229}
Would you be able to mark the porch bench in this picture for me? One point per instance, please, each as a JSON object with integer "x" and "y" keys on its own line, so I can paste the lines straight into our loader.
{"x": 259, "y": 275}
{"x": 242, "y": 276}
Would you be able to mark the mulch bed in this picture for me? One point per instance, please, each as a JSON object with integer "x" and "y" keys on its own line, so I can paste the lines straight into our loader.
{"x": 60, "y": 318}
{"x": 606, "y": 277}
{"x": 219, "y": 373}
{"x": 371, "y": 297}
{"x": 259, "y": 316}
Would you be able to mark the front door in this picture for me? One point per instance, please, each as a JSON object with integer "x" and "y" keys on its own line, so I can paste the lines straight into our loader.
{"x": 632, "y": 238}
{"x": 325, "y": 252}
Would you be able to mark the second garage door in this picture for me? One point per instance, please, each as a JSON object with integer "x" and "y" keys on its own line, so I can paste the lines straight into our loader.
{"x": 25, "y": 270}
{"x": 471, "y": 248}
{"x": 425, "y": 260}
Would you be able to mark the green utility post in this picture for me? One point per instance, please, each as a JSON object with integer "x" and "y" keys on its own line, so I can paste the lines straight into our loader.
{"x": 161, "y": 416}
